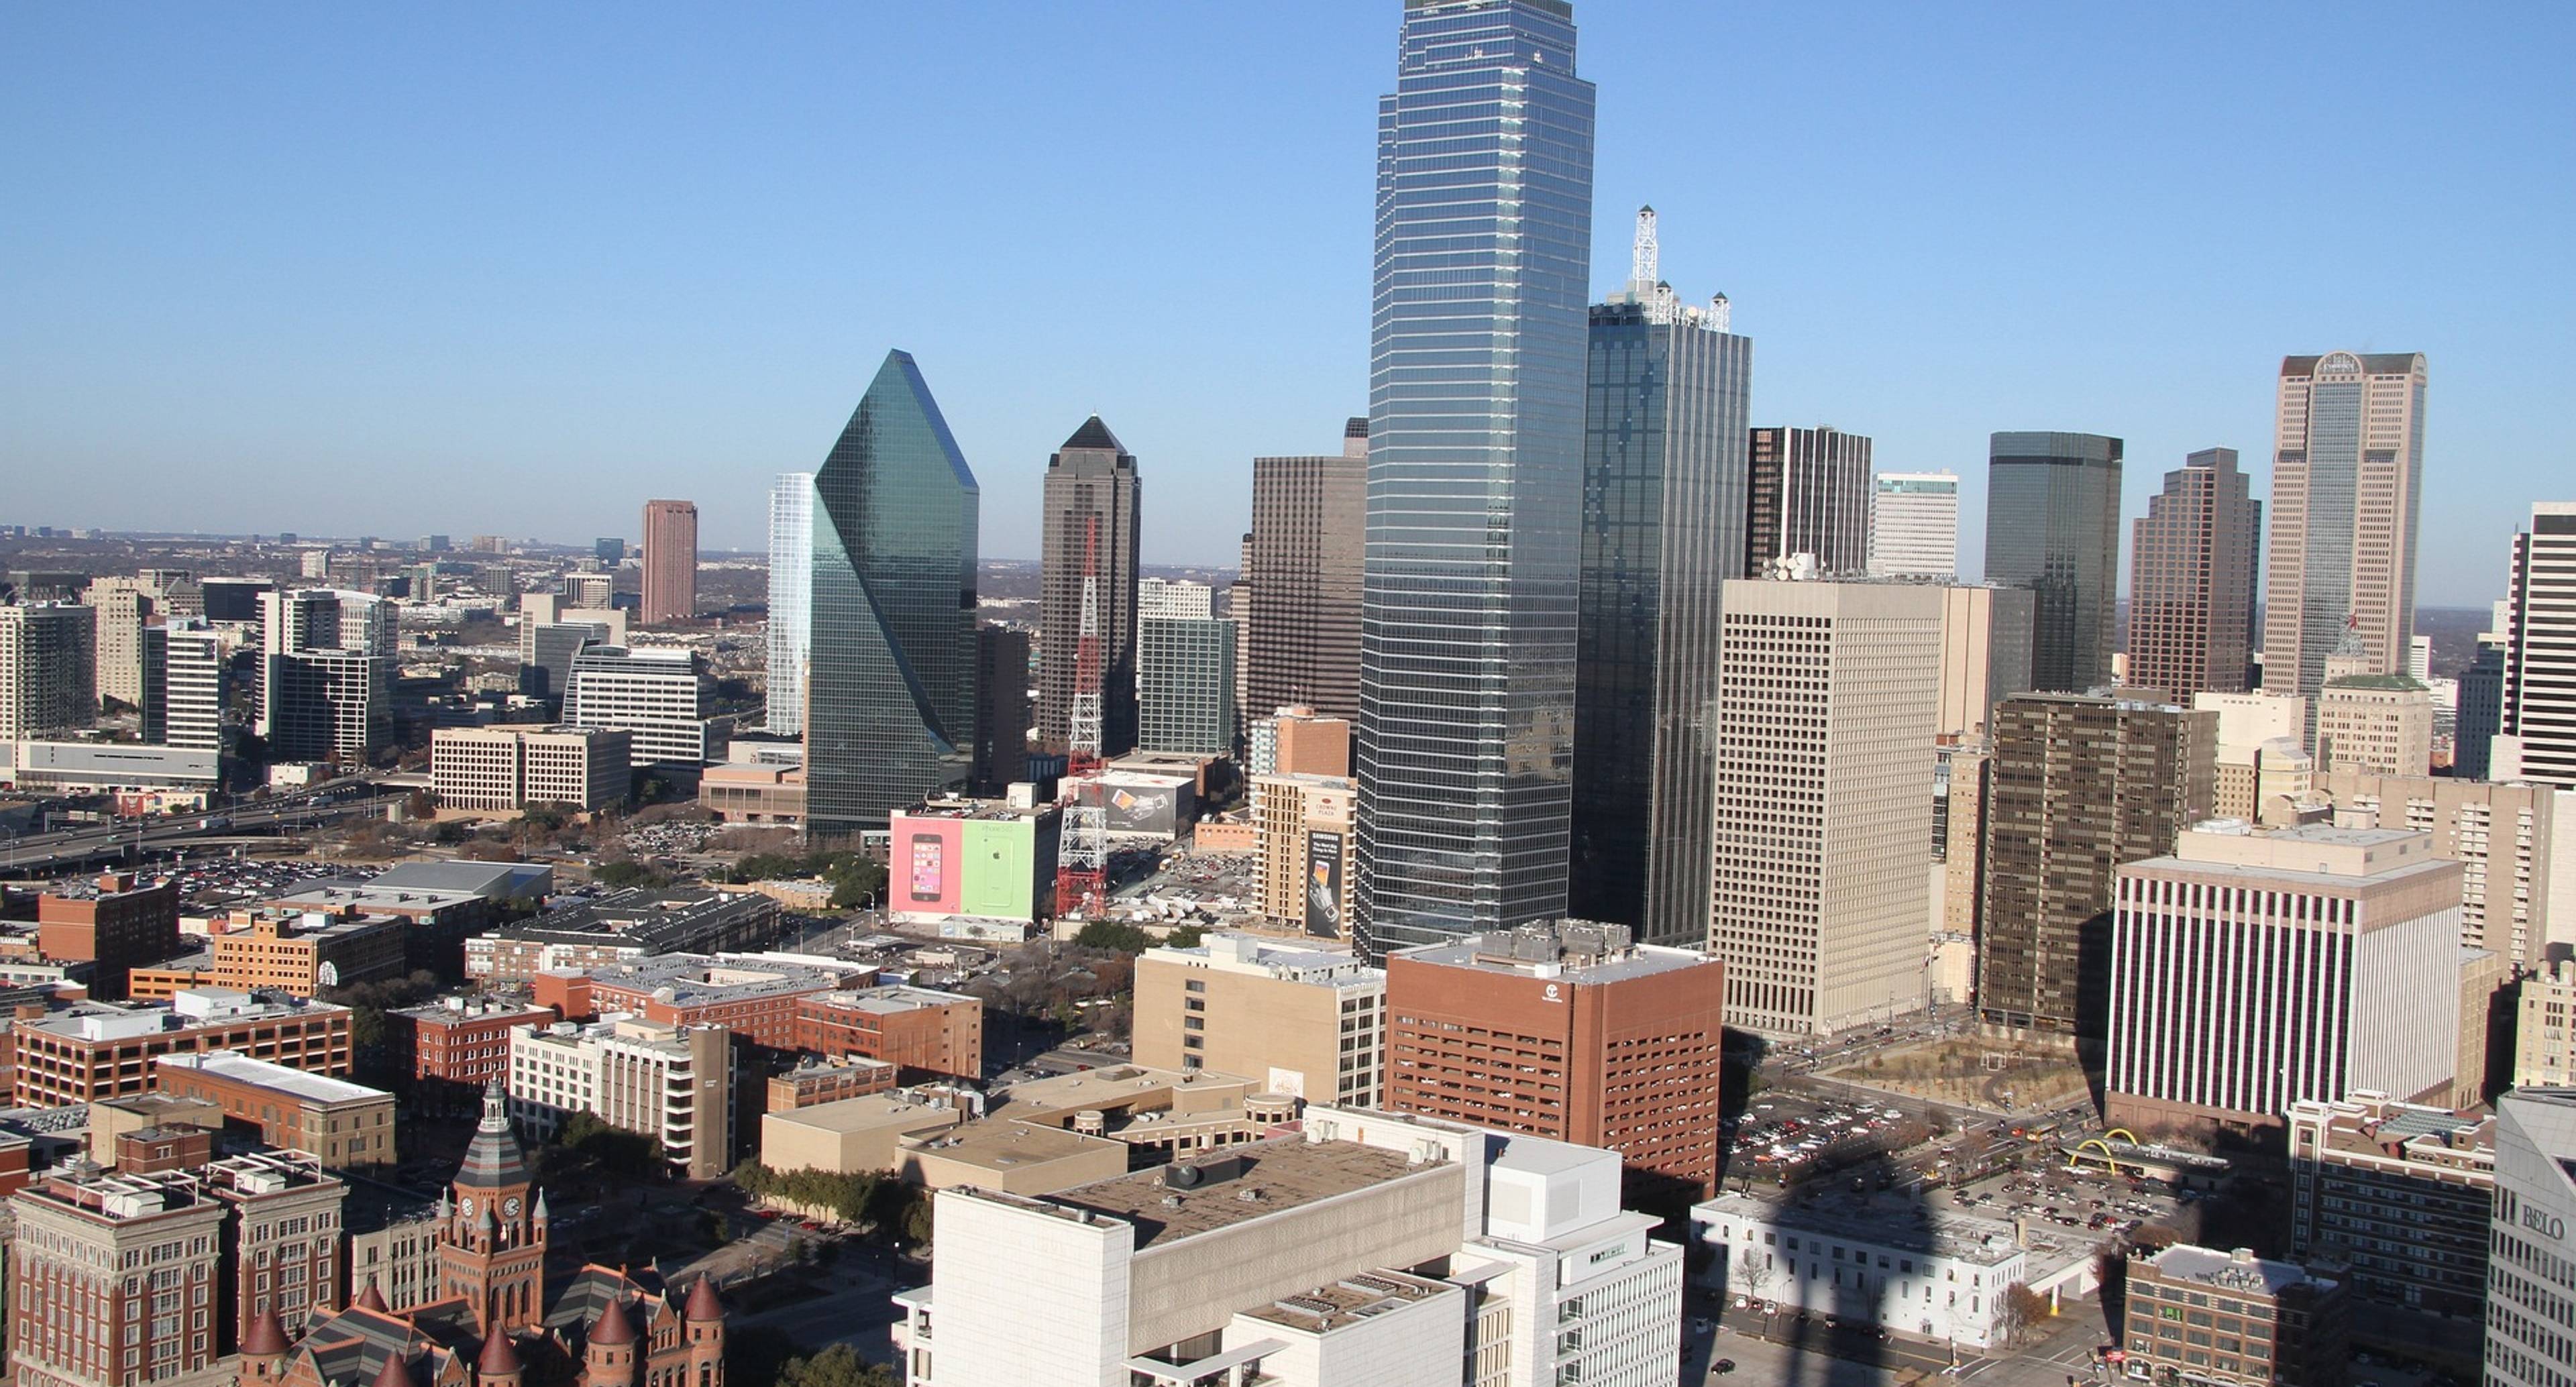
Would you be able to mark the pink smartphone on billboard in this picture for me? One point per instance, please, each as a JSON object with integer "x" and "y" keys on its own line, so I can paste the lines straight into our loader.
{"x": 925, "y": 867}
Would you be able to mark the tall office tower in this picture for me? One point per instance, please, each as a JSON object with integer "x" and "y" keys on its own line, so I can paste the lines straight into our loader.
{"x": 2080, "y": 785}
{"x": 658, "y": 694}
{"x": 791, "y": 599}
{"x": 2053, "y": 526}
{"x": 1184, "y": 670}
{"x": 1808, "y": 493}
{"x": 1302, "y": 611}
{"x": 2419, "y": 659}
{"x": 1828, "y": 695}
{"x": 1663, "y": 505}
{"x": 46, "y": 669}
{"x": 2251, "y": 971}
{"x": 2480, "y": 713}
{"x": 1001, "y": 707}
{"x": 2191, "y": 581}
{"x": 234, "y": 599}
{"x": 2539, "y": 710}
{"x": 2347, "y": 475}
{"x": 303, "y": 619}
{"x": 609, "y": 551}
{"x": 192, "y": 714}
{"x": 1476, "y": 381}
{"x": 2530, "y": 1261}
{"x": 1914, "y": 525}
{"x": 1985, "y": 655}
{"x": 123, "y": 611}
{"x": 152, "y": 685}
{"x": 670, "y": 562}
{"x": 327, "y": 705}
{"x": 1091, "y": 509}
{"x": 890, "y": 683}
{"x": 1238, "y": 608}
{"x": 1570, "y": 1030}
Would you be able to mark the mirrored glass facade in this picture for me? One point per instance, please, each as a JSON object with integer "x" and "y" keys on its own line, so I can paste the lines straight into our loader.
{"x": 2347, "y": 485}
{"x": 1476, "y": 378}
{"x": 1664, "y": 468}
{"x": 791, "y": 587}
{"x": 890, "y": 681}
{"x": 2053, "y": 526}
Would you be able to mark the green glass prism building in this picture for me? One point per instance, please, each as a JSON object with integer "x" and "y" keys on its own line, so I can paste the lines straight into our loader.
{"x": 1476, "y": 386}
{"x": 890, "y": 680}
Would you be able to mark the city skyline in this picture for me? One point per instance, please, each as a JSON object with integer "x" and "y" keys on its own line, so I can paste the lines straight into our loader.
{"x": 521, "y": 357}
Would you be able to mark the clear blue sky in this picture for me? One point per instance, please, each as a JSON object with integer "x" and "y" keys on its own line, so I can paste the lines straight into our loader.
{"x": 472, "y": 269}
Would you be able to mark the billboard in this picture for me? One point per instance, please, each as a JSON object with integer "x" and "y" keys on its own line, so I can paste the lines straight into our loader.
{"x": 999, "y": 876}
{"x": 1142, "y": 808}
{"x": 924, "y": 859}
{"x": 1324, "y": 883}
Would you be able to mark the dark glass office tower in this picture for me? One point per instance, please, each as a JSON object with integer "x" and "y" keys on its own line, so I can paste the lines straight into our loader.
{"x": 2192, "y": 567}
{"x": 1664, "y": 466}
{"x": 1476, "y": 378}
{"x": 2053, "y": 526}
{"x": 1090, "y": 506}
{"x": 890, "y": 686}
{"x": 1301, "y": 642}
{"x": 1808, "y": 492}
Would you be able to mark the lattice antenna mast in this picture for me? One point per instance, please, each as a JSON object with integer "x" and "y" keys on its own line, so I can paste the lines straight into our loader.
{"x": 1082, "y": 842}
{"x": 1643, "y": 257}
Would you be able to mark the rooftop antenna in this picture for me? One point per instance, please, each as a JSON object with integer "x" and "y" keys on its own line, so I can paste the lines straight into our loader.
{"x": 1643, "y": 257}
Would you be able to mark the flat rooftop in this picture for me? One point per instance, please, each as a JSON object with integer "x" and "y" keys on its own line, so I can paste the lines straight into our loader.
{"x": 868, "y": 1114}
{"x": 1002, "y": 1143}
{"x": 700, "y": 979}
{"x": 894, "y": 999}
{"x": 1284, "y": 1172}
{"x": 1899, "y": 1223}
{"x": 2233, "y": 1272}
{"x": 1349, "y": 1300}
{"x": 242, "y": 1069}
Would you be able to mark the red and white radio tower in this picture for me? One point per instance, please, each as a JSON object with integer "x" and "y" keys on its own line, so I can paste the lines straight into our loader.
{"x": 1082, "y": 845}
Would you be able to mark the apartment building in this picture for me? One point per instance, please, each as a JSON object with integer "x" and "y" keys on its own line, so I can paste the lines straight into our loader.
{"x": 1303, "y": 1020}
{"x": 349, "y": 1126}
{"x": 1367, "y": 1247}
{"x": 671, "y": 1083}
{"x": 2501, "y": 835}
{"x": 2398, "y": 1196}
{"x": 506, "y": 769}
{"x": 452, "y": 1048}
{"x": 95, "y": 1050}
{"x": 1568, "y": 1030}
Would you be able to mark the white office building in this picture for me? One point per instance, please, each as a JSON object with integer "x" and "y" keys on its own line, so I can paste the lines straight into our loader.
{"x": 192, "y": 688}
{"x": 671, "y": 1083}
{"x": 507, "y": 768}
{"x": 1367, "y": 1248}
{"x": 1914, "y": 525}
{"x": 658, "y": 694}
{"x": 2531, "y": 1262}
{"x": 791, "y": 599}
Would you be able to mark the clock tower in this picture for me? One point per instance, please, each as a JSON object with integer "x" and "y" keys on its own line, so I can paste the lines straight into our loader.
{"x": 492, "y": 1237}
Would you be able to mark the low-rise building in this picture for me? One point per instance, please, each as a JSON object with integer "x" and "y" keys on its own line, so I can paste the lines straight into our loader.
{"x": 813, "y": 1083}
{"x": 94, "y": 1050}
{"x": 303, "y": 953}
{"x": 755, "y": 999}
{"x": 452, "y": 1048}
{"x": 113, "y": 923}
{"x": 1366, "y": 1247}
{"x": 2397, "y": 1195}
{"x": 346, "y": 1125}
{"x": 922, "y": 1031}
{"x": 2198, "y": 1315}
{"x": 505, "y": 769}
{"x": 1893, "y": 1264}
{"x": 972, "y": 859}
{"x": 849, "y": 1136}
{"x": 670, "y": 1083}
{"x": 622, "y": 927}
{"x": 1309, "y": 1021}
{"x": 737, "y": 792}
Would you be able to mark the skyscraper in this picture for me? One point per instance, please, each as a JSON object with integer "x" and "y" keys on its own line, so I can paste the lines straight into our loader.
{"x": 2530, "y": 1260}
{"x": 2191, "y": 581}
{"x": 1476, "y": 380}
{"x": 670, "y": 562}
{"x": 46, "y": 669}
{"x": 1302, "y": 564}
{"x": 2080, "y": 786}
{"x": 192, "y": 713}
{"x": 2539, "y": 714}
{"x": 2346, "y": 477}
{"x": 1824, "y": 768}
{"x": 791, "y": 598}
{"x": 1001, "y": 707}
{"x": 1090, "y": 513}
{"x": 1184, "y": 670}
{"x": 1809, "y": 494}
{"x": 889, "y": 683}
{"x": 1663, "y": 507}
{"x": 1914, "y": 525}
{"x": 2053, "y": 526}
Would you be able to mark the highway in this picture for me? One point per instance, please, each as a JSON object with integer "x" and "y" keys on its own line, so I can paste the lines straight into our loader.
{"x": 38, "y": 854}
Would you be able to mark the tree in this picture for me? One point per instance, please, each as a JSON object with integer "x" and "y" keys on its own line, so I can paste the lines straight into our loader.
{"x": 623, "y": 874}
{"x": 837, "y": 1366}
{"x": 2018, "y": 1310}
{"x": 1184, "y": 937}
{"x": 1113, "y": 936}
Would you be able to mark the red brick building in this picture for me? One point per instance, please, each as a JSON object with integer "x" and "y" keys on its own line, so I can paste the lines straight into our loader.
{"x": 94, "y": 1051}
{"x": 754, "y": 999}
{"x": 452, "y": 1049}
{"x": 1566, "y": 1030}
{"x": 115, "y": 925}
{"x": 922, "y": 1031}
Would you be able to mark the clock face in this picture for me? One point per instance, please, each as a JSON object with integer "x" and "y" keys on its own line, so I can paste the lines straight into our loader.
{"x": 510, "y": 1207}
{"x": 467, "y": 1206}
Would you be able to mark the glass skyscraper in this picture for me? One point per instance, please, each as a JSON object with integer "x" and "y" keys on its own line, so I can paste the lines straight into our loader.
{"x": 2053, "y": 526}
{"x": 1476, "y": 382}
{"x": 791, "y": 599}
{"x": 1664, "y": 478}
{"x": 890, "y": 682}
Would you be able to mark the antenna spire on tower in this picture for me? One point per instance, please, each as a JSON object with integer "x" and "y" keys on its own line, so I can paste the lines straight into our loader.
{"x": 1643, "y": 257}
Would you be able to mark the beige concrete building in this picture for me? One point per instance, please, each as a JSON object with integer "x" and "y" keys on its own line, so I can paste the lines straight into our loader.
{"x": 505, "y": 769}
{"x": 1985, "y": 655}
{"x": 1302, "y": 1021}
{"x": 2263, "y": 767}
{"x": 2544, "y": 1035}
{"x": 2380, "y": 723}
{"x": 2351, "y": 426}
{"x": 123, "y": 609}
{"x": 342, "y": 1124}
{"x": 1829, "y": 699}
{"x": 2499, "y": 834}
{"x": 671, "y": 1083}
{"x": 854, "y": 1134}
{"x": 1307, "y": 840}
